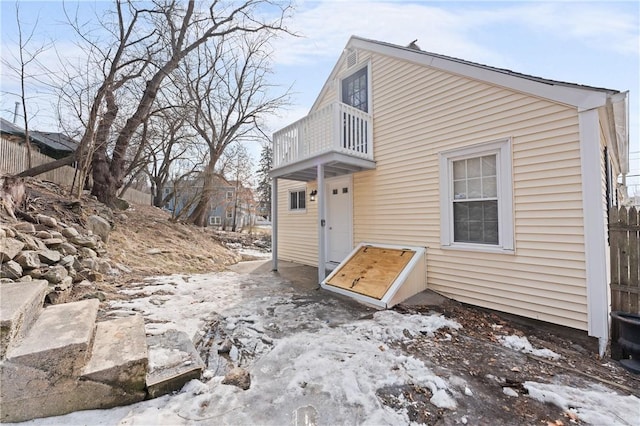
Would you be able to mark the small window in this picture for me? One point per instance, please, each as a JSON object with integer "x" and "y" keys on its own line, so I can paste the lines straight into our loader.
{"x": 229, "y": 195}
{"x": 355, "y": 91}
{"x": 229, "y": 214}
{"x": 476, "y": 201}
{"x": 297, "y": 200}
{"x": 215, "y": 220}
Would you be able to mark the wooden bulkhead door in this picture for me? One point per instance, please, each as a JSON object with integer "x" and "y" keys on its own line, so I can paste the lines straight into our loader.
{"x": 371, "y": 270}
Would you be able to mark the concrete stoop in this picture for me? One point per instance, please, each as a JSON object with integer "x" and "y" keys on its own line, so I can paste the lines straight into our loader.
{"x": 58, "y": 360}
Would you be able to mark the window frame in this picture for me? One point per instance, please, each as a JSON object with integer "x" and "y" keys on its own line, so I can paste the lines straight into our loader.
{"x": 350, "y": 73}
{"x": 304, "y": 197}
{"x": 504, "y": 186}
{"x": 217, "y": 220}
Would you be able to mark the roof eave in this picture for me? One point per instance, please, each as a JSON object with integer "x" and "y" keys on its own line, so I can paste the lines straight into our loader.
{"x": 581, "y": 98}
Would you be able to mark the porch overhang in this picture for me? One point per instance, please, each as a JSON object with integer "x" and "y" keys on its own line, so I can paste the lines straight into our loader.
{"x": 335, "y": 164}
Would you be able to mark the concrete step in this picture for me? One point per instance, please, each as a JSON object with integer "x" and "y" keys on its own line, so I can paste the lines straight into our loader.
{"x": 119, "y": 354}
{"x": 60, "y": 339}
{"x": 20, "y": 305}
{"x": 173, "y": 361}
{"x": 28, "y": 393}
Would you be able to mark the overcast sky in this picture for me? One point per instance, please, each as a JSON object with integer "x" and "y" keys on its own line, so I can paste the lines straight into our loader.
{"x": 592, "y": 43}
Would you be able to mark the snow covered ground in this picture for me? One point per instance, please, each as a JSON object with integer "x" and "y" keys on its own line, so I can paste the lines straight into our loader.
{"x": 313, "y": 359}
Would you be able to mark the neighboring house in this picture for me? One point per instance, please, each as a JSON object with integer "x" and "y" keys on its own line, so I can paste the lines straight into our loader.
{"x": 504, "y": 177}
{"x": 224, "y": 206}
{"x": 54, "y": 145}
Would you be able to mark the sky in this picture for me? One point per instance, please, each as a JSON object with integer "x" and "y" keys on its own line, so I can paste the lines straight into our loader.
{"x": 594, "y": 43}
{"x": 291, "y": 342}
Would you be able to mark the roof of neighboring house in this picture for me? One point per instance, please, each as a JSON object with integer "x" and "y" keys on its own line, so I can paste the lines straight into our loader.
{"x": 8, "y": 127}
{"x": 581, "y": 96}
{"x": 53, "y": 140}
{"x": 57, "y": 141}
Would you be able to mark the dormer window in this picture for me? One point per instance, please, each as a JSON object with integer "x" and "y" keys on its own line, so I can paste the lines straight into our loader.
{"x": 355, "y": 91}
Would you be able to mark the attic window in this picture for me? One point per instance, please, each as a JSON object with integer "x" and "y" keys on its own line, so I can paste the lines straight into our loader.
{"x": 352, "y": 58}
{"x": 355, "y": 90}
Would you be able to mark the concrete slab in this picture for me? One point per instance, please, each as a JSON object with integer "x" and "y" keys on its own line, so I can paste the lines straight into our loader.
{"x": 301, "y": 276}
{"x": 173, "y": 361}
{"x": 28, "y": 393}
{"x": 20, "y": 305}
{"x": 60, "y": 339}
{"x": 425, "y": 298}
{"x": 119, "y": 354}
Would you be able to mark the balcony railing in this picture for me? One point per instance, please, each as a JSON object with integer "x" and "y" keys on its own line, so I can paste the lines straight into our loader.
{"x": 335, "y": 128}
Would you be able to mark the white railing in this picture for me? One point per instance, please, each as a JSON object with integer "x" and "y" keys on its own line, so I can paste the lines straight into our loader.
{"x": 335, "y": 128}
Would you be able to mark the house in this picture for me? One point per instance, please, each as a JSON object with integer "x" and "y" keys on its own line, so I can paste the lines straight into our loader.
{"x": 225, "y": 208}
{"x": 504, "y": 178}
{"x": 52, "y": 144}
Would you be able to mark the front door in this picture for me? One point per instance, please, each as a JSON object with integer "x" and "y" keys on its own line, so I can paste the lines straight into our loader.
{"x": 339, "y": 219}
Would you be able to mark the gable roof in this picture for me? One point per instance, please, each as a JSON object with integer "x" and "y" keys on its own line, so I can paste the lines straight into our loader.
{"x": 53, "y": 140}
{"x": 580, "y": 96}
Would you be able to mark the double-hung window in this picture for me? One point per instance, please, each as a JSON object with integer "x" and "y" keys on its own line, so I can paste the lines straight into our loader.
{"x": 297, "y": 200}
{"x": 476, "y": 202}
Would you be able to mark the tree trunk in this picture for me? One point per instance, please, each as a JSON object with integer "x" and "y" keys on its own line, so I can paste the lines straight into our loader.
{"x": 47, "y": 167}
{"x": 104, "y": 186}
{"x": 200, "y": 213}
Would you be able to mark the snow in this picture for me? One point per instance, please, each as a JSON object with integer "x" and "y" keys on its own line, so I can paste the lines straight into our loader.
{"x": 510, "y": 392}
{"x": 596, "y": 405}
{"x": 522, "y": 344}
{"x": 308, "y": 355}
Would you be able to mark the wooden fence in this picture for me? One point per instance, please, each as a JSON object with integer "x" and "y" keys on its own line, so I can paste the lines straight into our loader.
{"x": 13, "y": 159}
{"x": 624, "y": 242}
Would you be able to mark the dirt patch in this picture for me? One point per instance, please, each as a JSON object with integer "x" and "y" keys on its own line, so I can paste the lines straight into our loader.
{"x": 497, "y": 374}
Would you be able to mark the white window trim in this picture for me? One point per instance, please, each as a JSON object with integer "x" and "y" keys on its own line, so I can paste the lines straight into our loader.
{"x": 298, "y": 210}
{"x": 350, "y": 71}
{"x": 502, "y": 150}
{"x": 213, "y": 221}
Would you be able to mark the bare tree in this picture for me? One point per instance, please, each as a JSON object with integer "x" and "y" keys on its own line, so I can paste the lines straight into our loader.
{"x": 145, "y": 45}
{"x": 230, "y": 95}
{"x": 25, "y": 58}
{"x": 173, "y": 146}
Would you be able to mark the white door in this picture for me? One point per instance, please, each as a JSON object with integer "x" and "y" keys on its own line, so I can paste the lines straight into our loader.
{"x": 339, "y": 219}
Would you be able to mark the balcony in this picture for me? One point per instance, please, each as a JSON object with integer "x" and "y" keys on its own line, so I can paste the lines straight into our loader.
{"x": 338, "y": 136}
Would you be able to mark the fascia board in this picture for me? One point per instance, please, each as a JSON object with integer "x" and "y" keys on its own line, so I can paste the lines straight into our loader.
{"x": 328, "y": 82}
{"x": 582, "y": 99}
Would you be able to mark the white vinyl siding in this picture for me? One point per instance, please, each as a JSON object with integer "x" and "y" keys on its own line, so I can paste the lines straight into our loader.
{"x": 297, "y": 232}
{"x": 420, "y": 112}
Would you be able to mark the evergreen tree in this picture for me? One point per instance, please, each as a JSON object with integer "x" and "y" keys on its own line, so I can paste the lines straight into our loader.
{"x": 264, "y": 181}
